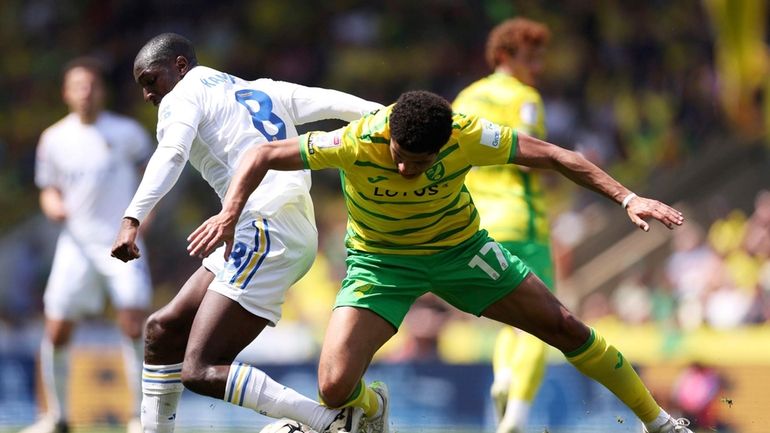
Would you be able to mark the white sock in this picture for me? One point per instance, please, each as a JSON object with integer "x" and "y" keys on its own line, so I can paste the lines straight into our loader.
{"x": 516, "y": 415}
{"x": 250, "y": 387}
{"x": 133, "y": 352}
{"x": 657, "y": 423}
{"x": 161, "y": 389}
{"x": 54, "y": 369}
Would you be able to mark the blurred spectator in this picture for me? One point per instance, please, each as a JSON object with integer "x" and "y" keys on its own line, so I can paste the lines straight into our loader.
{"x": 421, "y": 328}
{"x": 696, "y": 393}
{"x": 693, "y": 269}
{"x": 756, "y": 240}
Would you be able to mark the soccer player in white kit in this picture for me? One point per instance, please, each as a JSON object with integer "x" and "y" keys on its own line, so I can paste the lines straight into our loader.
{"x": 86, "y": 168}
{"x": 212, "y": 118}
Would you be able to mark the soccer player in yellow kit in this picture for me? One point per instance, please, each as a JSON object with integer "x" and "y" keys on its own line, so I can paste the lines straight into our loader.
{"x": 511, "y": 203}
{"x": 413, "y": 229}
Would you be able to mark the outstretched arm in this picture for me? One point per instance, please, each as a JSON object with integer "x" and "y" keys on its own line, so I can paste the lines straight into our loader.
{"x": 532, "y": 152}
{"x": 161, "y": 174}
{"x": 275, "y": 155}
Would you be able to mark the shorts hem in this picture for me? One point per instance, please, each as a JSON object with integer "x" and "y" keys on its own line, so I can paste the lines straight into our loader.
{"x": 369, "y": 308}
{"x": 228, "y": 292}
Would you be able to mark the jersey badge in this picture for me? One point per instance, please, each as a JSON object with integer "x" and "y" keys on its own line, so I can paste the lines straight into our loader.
{"x": 436, "y": 172}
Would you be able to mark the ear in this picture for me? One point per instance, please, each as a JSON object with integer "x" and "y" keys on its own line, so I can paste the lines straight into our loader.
{"x": 182, "y": 65}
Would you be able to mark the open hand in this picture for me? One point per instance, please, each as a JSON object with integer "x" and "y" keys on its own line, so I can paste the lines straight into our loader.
{"x": 206, "y": 238}
{"x": 641, "y": 209}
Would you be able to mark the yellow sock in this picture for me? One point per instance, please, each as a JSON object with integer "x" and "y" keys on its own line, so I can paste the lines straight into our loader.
{"x": 604, "y": 364}
{"x": 362, "y": 397}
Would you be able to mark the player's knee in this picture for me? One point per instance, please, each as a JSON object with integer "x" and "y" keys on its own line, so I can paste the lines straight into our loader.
{"x": 154, "y": 327}
{"x": 197, "y": 377}
{"x": 333, "y": 393}
{"x": 162, "y": 325}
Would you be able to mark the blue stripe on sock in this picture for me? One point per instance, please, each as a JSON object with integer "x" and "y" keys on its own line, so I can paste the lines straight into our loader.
{"x": 243, "y": 390}
{"x": 233, "y": 380}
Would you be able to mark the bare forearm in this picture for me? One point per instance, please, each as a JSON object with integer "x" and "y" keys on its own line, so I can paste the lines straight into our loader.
{"x": 586, "y": 174}
{"x": 536, "y": 153}
{"x": 276, "y": 155}
{"x": 251, "y": 170}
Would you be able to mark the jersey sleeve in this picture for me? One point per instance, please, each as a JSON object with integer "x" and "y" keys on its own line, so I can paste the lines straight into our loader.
{"x": 310, "y": 104}
{"x": 335, "y": 149}
{"x": 179, "y": 108}
{"x": 45, "y": 170}
{"x": 486, "y": 143}
{"x": 162, "y": 170}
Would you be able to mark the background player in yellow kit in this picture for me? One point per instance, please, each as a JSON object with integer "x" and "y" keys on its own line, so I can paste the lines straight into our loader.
{"x": 511, "y": 203}
{"x": 413, "y": 229}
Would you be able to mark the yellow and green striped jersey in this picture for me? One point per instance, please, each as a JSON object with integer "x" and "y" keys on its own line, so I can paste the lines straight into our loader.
{"x": 510, "y": 201}
{"x": 390, "y": 214}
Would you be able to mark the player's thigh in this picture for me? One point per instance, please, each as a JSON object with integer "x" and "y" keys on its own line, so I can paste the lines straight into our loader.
{"x": 353, "y": 336}
{"x": 222, "y": 328}
{"x": 476, "y": 274}
{"x": 73, "y": 288}
{"x": 270, "y": 253}
{"x": 531, "y": 307}
{"x": 375, "y": 296}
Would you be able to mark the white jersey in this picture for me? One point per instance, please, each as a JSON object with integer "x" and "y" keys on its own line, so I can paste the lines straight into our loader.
{"x": 94, "y": 166}
{"x": 229, "y": 115}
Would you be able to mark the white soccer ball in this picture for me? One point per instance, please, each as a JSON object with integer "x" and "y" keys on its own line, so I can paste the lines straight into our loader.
{"x": 286, "y": 426}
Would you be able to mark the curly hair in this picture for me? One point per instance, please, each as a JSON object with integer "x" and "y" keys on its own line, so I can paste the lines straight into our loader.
{"x": 421, "y": 122}
{"x": 511, "y": 34}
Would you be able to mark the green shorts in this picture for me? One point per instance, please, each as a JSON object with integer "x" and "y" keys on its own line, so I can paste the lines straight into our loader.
{"x": 471, "y": 276}
{"x": 537, "y": 256}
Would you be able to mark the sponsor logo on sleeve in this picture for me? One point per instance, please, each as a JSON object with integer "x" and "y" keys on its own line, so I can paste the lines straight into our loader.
{"x": 324, "y": 140}
{"x": 490, "y": 134}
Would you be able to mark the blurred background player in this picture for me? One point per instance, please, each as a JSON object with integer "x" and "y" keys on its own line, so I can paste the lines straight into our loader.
{"x": 510, "y": 200}
{"x": 86, "y": 169}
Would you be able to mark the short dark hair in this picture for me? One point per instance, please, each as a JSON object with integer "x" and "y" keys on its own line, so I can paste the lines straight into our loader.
{"x": 421, "y": 122}
{"x": 92, "y": 64}
{"x": 165, "y": 48}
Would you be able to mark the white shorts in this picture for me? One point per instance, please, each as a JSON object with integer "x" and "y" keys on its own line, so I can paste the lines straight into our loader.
{"x": 81, "y": 271}
{"x": 269, "y": 255}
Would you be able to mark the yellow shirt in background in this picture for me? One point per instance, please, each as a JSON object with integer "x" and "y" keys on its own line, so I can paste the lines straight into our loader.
{"x": 510, "y": 201}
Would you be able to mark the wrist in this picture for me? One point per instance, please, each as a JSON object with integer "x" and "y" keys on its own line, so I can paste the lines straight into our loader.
{"x": 627, "y": 199}
{"x": 130, "y": 222}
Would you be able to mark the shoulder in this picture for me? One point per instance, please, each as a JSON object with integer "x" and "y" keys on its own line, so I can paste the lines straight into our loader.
{"x": 529, "y": 94}
{"x": 58, "y": 129}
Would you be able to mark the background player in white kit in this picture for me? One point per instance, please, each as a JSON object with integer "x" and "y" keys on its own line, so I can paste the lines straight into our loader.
{"x": 212, "y": 118}
{"x": 86, "y": 169}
